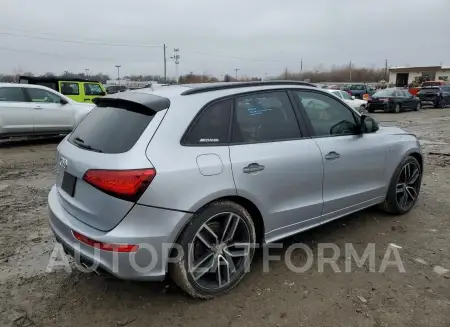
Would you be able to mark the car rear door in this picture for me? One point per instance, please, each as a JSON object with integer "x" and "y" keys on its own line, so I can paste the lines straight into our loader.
{"x": 71, "y": 89}
{"x": 353, "y": 163}
{"x": 274, "y": 164}
{"x": 49, "y": 114}
{"x": 16, "y": 116}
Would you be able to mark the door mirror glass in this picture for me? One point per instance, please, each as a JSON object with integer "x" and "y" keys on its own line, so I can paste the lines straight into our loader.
{"x": 368, "y": 124}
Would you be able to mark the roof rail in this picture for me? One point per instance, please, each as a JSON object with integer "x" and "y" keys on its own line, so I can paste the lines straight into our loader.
{"x": 231, "y": 85}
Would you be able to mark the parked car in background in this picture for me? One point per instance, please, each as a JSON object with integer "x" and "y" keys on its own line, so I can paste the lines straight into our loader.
{"x": 357, "y": 104}
{"x": 80, "y": 90}
{"x": 30, "y": 110}
{"x": 359, "y": 90}
{"x": 111, "y": 89}
{"x": 438, "y": 96}
{"x": 393, "y": 100}
{"x": 150, "y": 168}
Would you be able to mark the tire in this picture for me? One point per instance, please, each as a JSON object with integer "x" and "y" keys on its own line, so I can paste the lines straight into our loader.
{"x": 371, "y": 110}
{"x": 397, "y": 108}
{"x": 219, "y": 217}
{"x": 418, "y": 106}
{"x": 394, "y": 199}
{"x": 439, "y": 104}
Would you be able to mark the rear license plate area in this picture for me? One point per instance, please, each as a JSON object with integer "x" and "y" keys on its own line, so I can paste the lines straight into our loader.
{"x": 68, "y": 183}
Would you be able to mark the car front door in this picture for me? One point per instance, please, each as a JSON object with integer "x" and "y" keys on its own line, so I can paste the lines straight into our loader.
{"x": 16, "y": 116}
{"x": 274, "y": 165}
{"x": 71, "y": 90}
{"x": 353, "y": 163}
{"x": 50, "y": 114}
{"x": 92, "y": 91}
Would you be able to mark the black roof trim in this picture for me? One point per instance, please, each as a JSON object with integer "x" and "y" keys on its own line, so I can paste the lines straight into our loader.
{"x": 147, "y": 100}
{"x": 56, "y": 79}
{"x": 232, "y": 85}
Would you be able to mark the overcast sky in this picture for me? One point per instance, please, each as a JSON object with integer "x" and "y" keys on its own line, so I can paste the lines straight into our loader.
{"x": 217, "y": 36}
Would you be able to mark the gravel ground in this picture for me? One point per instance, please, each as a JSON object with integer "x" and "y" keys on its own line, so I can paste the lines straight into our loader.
{"x": 30, "y": 296}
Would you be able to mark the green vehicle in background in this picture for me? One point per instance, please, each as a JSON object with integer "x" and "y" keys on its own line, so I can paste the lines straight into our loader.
{"x": 80, "y": 90}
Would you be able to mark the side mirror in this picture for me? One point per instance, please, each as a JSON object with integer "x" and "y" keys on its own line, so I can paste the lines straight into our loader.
{"x": 102, "y": 94}
{"x": 353, "y": 97}
{"x": 63, "y": 101}
{"x": 368, "y": 124}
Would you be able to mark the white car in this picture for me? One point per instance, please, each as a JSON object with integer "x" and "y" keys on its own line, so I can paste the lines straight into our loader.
{"x": 30, "y": 110}
{"x": 357, "y": 104}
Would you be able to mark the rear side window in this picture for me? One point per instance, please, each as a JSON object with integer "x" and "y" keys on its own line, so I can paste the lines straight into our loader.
{"x": 68, "y": 88}
{"x": 111, "y": 129}
{"x": 212, "y": 126}
{"x": 11, "y": 94}
{"x": 264, "y": 117}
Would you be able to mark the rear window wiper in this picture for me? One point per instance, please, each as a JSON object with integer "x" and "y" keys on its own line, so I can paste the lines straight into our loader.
{"x": 78, "y": 141}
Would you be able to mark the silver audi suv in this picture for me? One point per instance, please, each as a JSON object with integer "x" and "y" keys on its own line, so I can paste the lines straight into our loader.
{"x": 187, "y": 180}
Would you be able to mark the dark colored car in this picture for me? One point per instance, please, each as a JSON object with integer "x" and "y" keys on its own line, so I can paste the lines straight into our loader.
{"x": 358, "y": 90}
{"x": 393, "y": 100}
{"x": 438, "y": 96}
{"x": 111, "y": 89}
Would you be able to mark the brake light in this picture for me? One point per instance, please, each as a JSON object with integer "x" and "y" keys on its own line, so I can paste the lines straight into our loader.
{"x": 124, "y": 184}
{"x": 105, "y": 246}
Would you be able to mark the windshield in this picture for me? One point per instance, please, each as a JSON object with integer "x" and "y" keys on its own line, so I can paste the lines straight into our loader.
{"x": 425, "y": 84}
{"x": 357, "y": 87}
{"x": 384, "y": 93}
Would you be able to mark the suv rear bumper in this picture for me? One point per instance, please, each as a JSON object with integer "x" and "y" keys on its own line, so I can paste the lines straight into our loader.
{"x": 153, "y": 229}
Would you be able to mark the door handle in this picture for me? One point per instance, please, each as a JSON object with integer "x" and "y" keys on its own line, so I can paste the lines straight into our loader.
{"x": 37, "y": 107}
{"x": 332, "y": 155}
{"x": 252, "y": 168}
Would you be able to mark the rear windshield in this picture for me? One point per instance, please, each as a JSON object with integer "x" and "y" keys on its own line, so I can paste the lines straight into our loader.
{"x": 425, "y": 84}
{"x": 110, "y": 129}
{"x": 384, "y": 93}
{"x": 357, "y": 87}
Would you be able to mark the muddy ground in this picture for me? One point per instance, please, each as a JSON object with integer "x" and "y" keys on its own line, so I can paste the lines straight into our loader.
{"x": 419, "y": 297}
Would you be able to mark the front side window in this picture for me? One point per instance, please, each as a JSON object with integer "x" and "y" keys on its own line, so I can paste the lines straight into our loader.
{"x": 38, "y": 95}
{"x": 212, "y": 127}
{"x": 68, "y": 88}
{"x": 11, "y": 94}
{"x": 92, "y": 89}
{"x": 264, "y": 117}
{"x": 346, "y": 96}
{"x": 328, "y": 116}
{"x": 337, "y": 93}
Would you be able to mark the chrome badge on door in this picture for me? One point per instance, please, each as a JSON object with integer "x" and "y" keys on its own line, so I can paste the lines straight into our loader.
{"x": 63, "y": 162}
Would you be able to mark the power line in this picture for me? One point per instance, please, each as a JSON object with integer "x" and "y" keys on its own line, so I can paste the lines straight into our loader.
{"x": 82, "y": 42}
{"x": 99, "y": 43}
{"x": 72, "y": 56}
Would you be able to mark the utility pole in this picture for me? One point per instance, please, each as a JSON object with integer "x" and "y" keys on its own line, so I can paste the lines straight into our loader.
{"x": 176, "y": 57}
{"x": 301, "y": 65}
{"x": 118, "y": 73}
{"x": 87, "y": 72}
{"x": 236, "y": 74}
{"x": 165, "y": 64}
{"x": 350, "y": 68}
{"x": 386, "y": 77}
{"x": 285, "y": 73}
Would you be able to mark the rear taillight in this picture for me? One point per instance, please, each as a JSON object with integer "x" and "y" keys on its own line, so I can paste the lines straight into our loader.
{"x": 124, "y": 184}
{"x": 105, "y": 246}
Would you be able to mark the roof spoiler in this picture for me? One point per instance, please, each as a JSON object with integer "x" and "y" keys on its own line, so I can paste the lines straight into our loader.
{"x": 130, "y": 100}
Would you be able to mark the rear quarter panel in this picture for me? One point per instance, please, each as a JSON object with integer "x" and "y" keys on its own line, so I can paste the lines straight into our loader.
{"x": 398, "y": 147}
{"x": 178, "y": 183}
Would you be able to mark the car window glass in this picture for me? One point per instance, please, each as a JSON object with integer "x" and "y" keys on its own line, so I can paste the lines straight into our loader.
{"x": 11, "y": 94}
{"x": 212, "y": 126}
{"x": 337, "y": 93}
{"x": 68, "y": 88}
{"x": 346, "y": 96}
{"x": 92, "y": 89}
{"x": 39, "y": 95}
{"x": 264, "y": 117}
{"x": 327, "y": 115}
